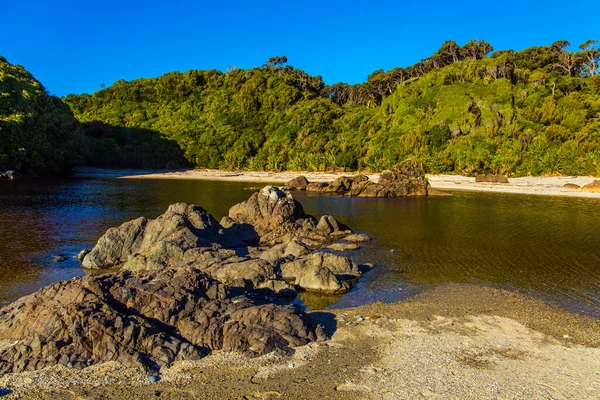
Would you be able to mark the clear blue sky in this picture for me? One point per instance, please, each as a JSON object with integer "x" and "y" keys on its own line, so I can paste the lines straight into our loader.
{"x": 74, "y": 46}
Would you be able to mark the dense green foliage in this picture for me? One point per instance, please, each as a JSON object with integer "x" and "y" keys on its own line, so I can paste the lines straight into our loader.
{"x": 536, "y": 111}
{"x": 38, "y": 132}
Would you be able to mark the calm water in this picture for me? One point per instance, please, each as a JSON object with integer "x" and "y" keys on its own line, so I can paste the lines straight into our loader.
{"x": 545, "y": 246}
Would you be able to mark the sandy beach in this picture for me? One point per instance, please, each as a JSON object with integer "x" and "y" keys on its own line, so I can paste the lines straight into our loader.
{"x": 533, "y": 185}
{"x": 454, "y": 341}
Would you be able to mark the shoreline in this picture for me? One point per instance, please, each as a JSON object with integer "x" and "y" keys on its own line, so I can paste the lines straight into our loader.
{"x": 531, "y": 185}
{"x": 456, "y": 340}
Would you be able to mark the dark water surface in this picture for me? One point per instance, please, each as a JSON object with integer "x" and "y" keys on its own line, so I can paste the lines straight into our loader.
{"x": 548, "y": 247}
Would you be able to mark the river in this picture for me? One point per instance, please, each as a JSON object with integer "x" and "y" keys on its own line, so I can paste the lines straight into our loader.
{"x": 547, "y": 247}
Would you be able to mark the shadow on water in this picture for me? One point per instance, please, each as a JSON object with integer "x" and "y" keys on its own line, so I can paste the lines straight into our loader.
{"x": 5, "y": 392}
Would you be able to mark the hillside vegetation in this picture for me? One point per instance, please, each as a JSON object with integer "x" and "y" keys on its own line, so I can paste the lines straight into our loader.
{"x": 38, "y": 133}
{"x": 535, "y": 111}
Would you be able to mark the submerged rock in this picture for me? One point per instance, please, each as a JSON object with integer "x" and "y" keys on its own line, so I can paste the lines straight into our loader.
{"x": 148, "y": 318}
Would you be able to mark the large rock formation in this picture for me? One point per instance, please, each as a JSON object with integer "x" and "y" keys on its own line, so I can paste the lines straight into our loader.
{"x": 593, "y": 186}
{"x": 148, "y": 318}
{"x": 187, "y": 235}
{"x": 403, "y": 180}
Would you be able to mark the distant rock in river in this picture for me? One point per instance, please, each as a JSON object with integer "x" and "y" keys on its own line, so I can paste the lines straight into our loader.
{"x": 407, "y": 179}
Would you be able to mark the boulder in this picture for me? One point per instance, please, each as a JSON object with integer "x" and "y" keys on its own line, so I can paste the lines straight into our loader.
{"x": 81, "y": 255}
{"x": 117, "y": 245}
{"x": 594, "y": 186}
{"x": 321, "y": 272}
{"x": 316, "y": 186}
{"x": 147, "y": 318}
{"x": 407, "y": 179}
{"x": 328, "y": 225}
{"x": 357, "y": 238}
{"x": 298, "y": 183}
{"x": 182, "y": 233}
{"x": 267, "y": 210}
{"x": 341, "y": 246}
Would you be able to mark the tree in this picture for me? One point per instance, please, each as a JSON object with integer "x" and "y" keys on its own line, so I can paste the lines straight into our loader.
{"x": 449, "y": 52}
{"x": 276, "y": 62}
{"x": 476, "y": 49}
{"x": 566, "y": 60}
{"x": 591, "y": 56}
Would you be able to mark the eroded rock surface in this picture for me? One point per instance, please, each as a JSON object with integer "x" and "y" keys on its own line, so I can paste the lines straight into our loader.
{"x": 149, "y": 318}
{"x": 403, "y": 180}
{"x": 187, "y": 235}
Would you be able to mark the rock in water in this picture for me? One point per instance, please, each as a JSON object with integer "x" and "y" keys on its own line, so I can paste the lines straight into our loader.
{"x": 407, "y": 179}
{"x": 298, "y": 183}
{"x": 148, "y": 318}
{"x": 187, "y": 235}
{"x": 81, "y": 255}
{"x": 268, "y": 209}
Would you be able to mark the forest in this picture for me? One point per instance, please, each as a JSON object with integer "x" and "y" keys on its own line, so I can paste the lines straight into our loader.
{"x": 466, "y": 110}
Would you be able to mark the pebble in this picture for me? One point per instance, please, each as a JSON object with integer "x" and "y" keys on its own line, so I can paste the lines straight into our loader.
{"x": 350, "y": 387}
{"x": 60, "y": 258}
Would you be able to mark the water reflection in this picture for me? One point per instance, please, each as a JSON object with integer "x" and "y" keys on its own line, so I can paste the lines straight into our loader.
{"x": 545, "y": 246}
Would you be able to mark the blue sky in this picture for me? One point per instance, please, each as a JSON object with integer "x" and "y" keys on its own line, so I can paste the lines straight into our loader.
{"x": 74, "y": 46}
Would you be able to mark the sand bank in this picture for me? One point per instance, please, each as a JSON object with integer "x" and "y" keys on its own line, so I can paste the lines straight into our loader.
{"x": 535, "y": 185}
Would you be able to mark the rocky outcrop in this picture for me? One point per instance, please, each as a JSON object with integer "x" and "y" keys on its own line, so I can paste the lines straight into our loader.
{"x": 491, "y": 179}
{"x": 247, "y": 250}
{"x": 148, "y": 318}
{"x": 172, "y": 239}
{"x": 407, "y": 179}
{"x": 593, "y": 186}
{"x": 277, "y": 218}
{"x": 298, "y": 183}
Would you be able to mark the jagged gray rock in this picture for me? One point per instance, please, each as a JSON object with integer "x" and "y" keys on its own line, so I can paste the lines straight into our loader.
{"x": 148, "y": 318}
{"x": 187, "y": 235}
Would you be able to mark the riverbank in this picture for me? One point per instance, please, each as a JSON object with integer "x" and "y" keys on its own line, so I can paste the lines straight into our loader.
{"x": 534, "y": 185}
{"x": 454, "y": 341}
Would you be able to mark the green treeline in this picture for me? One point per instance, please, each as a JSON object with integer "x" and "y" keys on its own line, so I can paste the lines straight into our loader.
{"x": 536, "y": 111}
{"x": 38, "y": 132}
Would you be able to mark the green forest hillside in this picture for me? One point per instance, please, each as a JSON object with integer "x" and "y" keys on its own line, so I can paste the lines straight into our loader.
{"x": 38, "y": 133}
{"x": 535, "y": 111}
